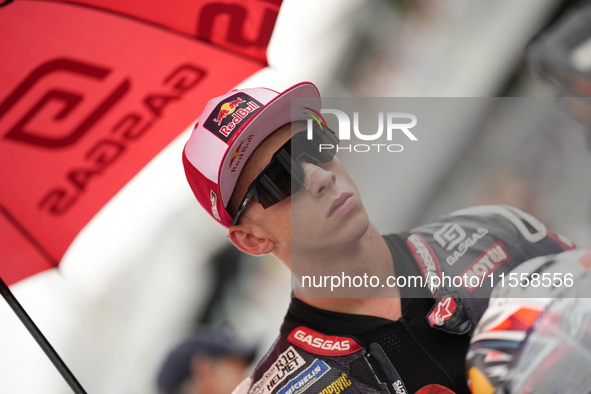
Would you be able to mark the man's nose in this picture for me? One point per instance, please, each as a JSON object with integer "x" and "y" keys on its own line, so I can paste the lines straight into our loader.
{"x": 316, "y": 179}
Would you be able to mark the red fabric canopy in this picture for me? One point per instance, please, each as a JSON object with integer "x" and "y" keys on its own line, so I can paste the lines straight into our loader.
{"x": 90, "y": 93}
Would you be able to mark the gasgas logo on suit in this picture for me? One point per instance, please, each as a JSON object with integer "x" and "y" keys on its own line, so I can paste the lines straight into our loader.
{"x": 391, "y": 126}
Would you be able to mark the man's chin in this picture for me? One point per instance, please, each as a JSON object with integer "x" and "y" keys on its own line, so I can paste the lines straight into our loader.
{"x": 344, "y": 235}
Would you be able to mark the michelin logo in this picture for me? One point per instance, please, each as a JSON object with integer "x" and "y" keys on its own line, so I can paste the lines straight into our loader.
{"x": 306, "y": 378}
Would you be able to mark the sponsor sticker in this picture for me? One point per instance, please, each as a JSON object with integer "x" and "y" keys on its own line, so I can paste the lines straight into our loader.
{"x": 228, "y": 115}
{"x": 338, "y": 385}
{"x": 484, "y": 265}
{"x": 238, "y": 154}
{"x": 286, "y": 364}
{"x": 214, "y": 204}
{"x": 443, "y": 312}
{"x": 453, "y": 237}
{"x": 427, "y": 261}
{"x": 235, "y": 154}
{"x": 449, "y": 235}
{"x": 305, "y": 379}
{"x": 324, "y": 345}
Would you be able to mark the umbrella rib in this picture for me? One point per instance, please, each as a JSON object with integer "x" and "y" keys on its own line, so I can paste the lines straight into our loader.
{"x": 25, "y": 233}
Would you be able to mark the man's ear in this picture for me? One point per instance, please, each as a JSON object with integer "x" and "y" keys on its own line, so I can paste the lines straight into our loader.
{"x": 250, "y": 239}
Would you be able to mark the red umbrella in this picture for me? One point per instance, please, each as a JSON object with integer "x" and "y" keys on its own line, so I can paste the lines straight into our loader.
{"x": 91, "y": 91}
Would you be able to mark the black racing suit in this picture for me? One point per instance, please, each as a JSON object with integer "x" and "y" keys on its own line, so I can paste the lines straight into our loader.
{"x": 319, "y": 351}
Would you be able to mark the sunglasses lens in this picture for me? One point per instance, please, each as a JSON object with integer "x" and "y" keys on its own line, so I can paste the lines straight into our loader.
{"x": 284, "y": 175}
{"x": 273, "y": 186}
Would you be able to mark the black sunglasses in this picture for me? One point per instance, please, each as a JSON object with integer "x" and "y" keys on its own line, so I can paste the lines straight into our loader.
{"x": 284, "y": 175}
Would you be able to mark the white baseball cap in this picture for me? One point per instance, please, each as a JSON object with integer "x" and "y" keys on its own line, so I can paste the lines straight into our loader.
{"x": 228, "y": 131}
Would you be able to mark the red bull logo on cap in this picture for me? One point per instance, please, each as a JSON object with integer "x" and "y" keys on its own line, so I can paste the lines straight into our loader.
{"x": 230, "y": 113}
{"x": 227, "y": 109}
{"x": 235, "y": 154}
{"x": 238, "y": 154}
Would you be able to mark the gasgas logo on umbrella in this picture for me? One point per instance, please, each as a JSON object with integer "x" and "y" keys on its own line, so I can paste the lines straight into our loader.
{"x": 396, "y": 124}
{"x": 230, "y": 113}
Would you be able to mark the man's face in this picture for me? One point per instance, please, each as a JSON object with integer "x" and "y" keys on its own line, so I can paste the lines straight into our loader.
{"x": 325, "y": 213}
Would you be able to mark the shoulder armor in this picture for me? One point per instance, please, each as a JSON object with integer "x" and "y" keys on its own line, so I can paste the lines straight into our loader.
{"x": 463, "y": 254}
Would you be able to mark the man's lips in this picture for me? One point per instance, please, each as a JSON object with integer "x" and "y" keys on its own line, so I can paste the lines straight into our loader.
{"x": 340, "y": 204}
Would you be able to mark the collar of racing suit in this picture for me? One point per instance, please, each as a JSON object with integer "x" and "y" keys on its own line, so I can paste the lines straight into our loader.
{"x": 352, "y": 324}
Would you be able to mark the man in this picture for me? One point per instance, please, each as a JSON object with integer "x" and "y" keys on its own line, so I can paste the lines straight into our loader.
{"x": 211, "y": 361}
{"x": 263, "y": 174}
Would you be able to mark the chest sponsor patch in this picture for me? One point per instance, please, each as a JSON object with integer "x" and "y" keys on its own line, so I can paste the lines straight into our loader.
{"x": 285, "y": 365}
{"x": 339, "y": 385}
{"x": 460, "y": 243}
{"x": 487, "y": 263}
{"x": 228, "y": 115}
{"x": 306, "y": 378}
{"x": 427, "y": 261}
{"x": 324, "y": 345}
{"x": 443, "y": 311}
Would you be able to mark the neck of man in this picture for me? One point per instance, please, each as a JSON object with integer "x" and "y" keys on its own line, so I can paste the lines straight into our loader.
{"x": 351, "y": 280}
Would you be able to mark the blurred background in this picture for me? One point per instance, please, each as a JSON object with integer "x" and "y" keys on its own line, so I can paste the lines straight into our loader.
{"x": 152, "y": 267}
